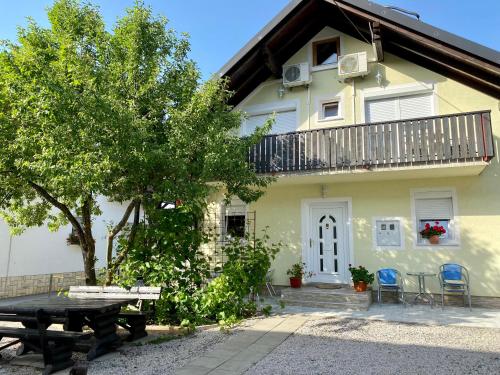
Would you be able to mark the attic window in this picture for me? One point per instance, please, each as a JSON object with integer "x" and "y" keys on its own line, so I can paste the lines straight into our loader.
{"x": 326, "y": 52}
{"x": 329, "y": 110}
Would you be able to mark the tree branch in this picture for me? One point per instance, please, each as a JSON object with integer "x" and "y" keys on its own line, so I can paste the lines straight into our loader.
{"x": 117, "y": 229}
{"x": 62, "y": 207}
{"x": 121, "y": 257}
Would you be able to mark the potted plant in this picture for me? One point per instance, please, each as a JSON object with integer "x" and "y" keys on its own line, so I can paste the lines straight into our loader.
{"x": 361, "y": 278}
{"x": 433, "y": 232}
{"x": 296, "y": 273}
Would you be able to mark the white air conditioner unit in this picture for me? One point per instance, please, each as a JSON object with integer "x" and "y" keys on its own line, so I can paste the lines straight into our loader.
{"x": 296, "y": 75}
{"x": 353, "y": 65}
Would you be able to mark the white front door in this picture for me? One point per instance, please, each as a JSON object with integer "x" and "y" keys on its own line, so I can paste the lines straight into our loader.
{"x": 327, "y": 248}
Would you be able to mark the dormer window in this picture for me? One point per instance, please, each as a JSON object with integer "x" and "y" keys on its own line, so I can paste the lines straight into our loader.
{"x": 326, "y": 52}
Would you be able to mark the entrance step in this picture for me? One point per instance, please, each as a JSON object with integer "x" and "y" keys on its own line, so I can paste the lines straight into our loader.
{"x": 344, "y": 298}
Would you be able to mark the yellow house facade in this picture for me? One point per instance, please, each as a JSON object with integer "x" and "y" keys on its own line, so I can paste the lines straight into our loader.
{"x": 363, "y": 163}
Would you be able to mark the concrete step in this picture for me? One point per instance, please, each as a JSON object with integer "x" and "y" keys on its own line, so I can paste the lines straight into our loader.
{"x": 329, "y": 305}
{"x": 344, "y": 298}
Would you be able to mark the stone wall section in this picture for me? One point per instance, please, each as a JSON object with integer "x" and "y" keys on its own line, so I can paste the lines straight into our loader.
{"x": 15, "y": 286}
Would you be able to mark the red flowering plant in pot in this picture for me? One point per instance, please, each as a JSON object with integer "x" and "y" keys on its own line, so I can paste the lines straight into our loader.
{"x": 296, "y": 273}
{"x": 361, "y": 278}
{"x": 433, "y": 232}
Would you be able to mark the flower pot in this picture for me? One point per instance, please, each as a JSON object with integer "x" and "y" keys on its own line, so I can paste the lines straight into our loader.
{"x": 295, "y": 282}
{"x": 360, "y": 286}
{"x": 434, "y": 240}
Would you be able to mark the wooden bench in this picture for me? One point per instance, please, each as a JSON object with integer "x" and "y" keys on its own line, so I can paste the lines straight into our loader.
{"x": 133, "y": 321}
{"x": 55, "y": 346}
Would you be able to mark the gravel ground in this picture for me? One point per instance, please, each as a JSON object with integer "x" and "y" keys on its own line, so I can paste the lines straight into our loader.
{"x": 351, "y": 346}
{"x": 146, "y": 359}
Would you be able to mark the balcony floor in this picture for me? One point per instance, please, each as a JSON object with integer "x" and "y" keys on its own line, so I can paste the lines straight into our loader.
{"x": 445, "y": 170}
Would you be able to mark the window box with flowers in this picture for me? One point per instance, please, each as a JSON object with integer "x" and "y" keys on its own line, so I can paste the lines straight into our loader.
{"x": 433, "y": 232}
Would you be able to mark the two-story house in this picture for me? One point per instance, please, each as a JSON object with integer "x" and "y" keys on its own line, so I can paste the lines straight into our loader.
{"x": 383, "y": 124}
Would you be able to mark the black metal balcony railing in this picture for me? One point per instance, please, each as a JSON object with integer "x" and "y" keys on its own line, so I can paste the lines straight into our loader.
{"x": 448, "y": 138}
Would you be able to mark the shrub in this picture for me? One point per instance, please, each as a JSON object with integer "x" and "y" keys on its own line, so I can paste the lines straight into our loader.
{"x": 167, "y": 255}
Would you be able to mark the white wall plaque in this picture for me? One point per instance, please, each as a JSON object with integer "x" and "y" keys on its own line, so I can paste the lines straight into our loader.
{"x": 388, "y": 233}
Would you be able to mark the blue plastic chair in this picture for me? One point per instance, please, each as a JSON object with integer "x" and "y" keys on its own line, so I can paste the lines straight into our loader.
{"x": 454, "y": 278}
{"x": 390, "y": 280}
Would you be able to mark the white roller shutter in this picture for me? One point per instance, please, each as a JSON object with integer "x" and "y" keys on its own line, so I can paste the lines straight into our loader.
{"x": 399, "y": 107}
{"x": 414, "y": 106}
{"x": 434, "y": 209}
{"x": 381, "y": 110}
{"x": 253, "y": 122}
{"x": 285, "y": 122}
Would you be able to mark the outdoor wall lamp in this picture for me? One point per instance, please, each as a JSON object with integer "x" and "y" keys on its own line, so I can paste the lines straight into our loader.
{"x": 379, "y": 77}
{"x": 281, "y": 91}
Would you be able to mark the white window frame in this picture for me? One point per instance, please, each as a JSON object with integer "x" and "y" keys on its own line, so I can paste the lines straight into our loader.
{"x": 378, "y": 247}
{"x": 322, "y": 37}
{"x": 275, "y": 107}
{"x": 416, "y": 88}
{"x": 320, "y": 102}
{"x": 434, "y": 193}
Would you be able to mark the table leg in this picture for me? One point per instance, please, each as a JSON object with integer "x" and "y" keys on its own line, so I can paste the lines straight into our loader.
{"x": 419, "y": 294}
{"x": 32, "y": 345}
{"x": 430, "y": 298}
{"x": 106, "y": 338}
{"x": 74, "y": 322}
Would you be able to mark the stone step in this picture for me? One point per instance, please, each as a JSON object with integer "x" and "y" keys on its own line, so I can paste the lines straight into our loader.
{"x": 328, "y": 305}
{"x": 344, "y": 298}
{"x": 325, "y": 298}
{"x": 313, "y": 296}
{"x": 329, "y": 299}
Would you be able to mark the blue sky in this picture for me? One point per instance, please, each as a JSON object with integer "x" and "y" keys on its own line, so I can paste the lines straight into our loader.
{"x": 219, "y": 28}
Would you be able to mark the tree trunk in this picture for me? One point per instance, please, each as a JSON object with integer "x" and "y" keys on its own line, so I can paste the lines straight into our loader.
{"x": 89, "y": 263}
{"x": 84, "y": 232}
{"x": 88, "y": 243}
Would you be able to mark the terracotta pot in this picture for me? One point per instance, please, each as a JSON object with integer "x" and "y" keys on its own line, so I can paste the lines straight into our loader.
{"x": 434, "y": 240}
{"x": 295, "y": 282}
{"x": 360, "y": 286}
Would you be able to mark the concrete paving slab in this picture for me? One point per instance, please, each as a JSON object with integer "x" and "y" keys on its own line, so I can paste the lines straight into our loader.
{"x": 209, "y": 361}
{"x": 419, "y": 314}
{"x": 193, "y": 370}
{"x": 245, "y": 349}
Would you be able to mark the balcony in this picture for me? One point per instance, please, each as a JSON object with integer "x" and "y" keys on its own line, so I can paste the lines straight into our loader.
{"x": 449, "y": 140}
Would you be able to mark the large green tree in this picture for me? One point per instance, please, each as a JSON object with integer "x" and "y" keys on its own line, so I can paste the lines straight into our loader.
{"x": 86, "y": 113}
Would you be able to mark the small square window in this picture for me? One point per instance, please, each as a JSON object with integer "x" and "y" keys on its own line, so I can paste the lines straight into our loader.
{"x": 235, "y": 225}
{"x": 326, "y": 52}
{"x": 330, "y": 110}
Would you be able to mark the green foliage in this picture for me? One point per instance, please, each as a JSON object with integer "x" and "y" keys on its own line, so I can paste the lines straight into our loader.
{"x": 165, "y": 256}
{"x": 298, "y": 270}
{"x": 266, "y": 310}
{"x": 361, "y": 274}
{"x": 86, "y": 112}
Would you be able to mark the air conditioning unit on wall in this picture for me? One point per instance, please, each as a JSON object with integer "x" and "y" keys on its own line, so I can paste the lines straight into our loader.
{"x": 353, "y": 65}
{"x": 296, "y": 75}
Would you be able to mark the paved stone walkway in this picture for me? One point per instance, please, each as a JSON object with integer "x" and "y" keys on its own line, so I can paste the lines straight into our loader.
{"x": 242, "y": 351}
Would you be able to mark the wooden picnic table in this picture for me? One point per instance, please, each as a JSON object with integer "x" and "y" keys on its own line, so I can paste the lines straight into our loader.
{"x": 100, "y": 315}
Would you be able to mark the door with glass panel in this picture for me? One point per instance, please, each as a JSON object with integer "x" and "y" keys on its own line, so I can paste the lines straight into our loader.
{"x": 328, "y": 250}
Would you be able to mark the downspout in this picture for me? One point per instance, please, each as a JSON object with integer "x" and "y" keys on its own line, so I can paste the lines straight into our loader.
{"x": 308, "y": 107}
{"x": 354, "y": 101}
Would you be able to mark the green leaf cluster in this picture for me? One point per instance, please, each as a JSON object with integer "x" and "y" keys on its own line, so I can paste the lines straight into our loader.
{"x": 88, "y": 111}
{"x": 166, "y": 255}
